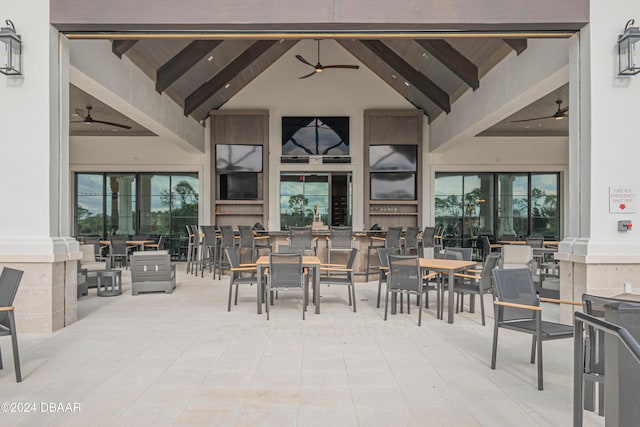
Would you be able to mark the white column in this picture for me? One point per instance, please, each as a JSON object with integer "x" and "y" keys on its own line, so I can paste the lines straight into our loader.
{"x": 34, "y": 174}
{"x": 596, "y": 258}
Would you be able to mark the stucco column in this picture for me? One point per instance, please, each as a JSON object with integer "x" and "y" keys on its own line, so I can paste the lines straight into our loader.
{"x": 603, "y": 152}
{"x": 34, "y": 165}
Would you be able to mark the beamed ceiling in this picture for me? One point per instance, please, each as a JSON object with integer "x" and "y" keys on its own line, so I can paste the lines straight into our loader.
{"x": 202, "y": 75}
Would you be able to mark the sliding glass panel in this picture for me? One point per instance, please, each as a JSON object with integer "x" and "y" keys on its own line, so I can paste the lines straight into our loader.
{"x": 544, "y": 206}
{"x": 154, "y": 204}
{"x": 89, "y": 211}
{"x": 449, "y": 207}
{"x": 184, "y": 202}
{"x": 121, "y": 204}
{"x": 513, "y": 205}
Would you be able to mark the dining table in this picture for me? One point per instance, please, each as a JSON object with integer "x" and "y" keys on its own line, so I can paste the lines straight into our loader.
{"x": 308, "y": 261}
{"x": 139, "y": 243}
{"x": 451, "y": 267}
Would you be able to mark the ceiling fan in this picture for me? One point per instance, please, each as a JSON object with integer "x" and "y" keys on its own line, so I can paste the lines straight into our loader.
{"x": 90, "y": 120}
{"x": 560, "y": 114}
{"x": 318, "y": 68}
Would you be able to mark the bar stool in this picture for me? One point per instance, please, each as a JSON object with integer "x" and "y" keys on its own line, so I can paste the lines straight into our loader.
{"x": 249, "y": 240}
{"x": 411, "y": 241}
{"x": 228, "y": 241}
{"x": 191, "y": 234}
{"x": 391, "y": 240}
{"x": 208, "y": 248}
{"x": 340, "y": 240}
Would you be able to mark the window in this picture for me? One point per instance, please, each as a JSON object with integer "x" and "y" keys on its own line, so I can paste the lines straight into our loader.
{"x": 135, "y": 203}
{"x": 470, "y": 205}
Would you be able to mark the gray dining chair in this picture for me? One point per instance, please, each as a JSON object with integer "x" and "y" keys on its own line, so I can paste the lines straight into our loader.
{"x": 286, "y": 273}
{"x": 9, "y": 282}
{"x": 241, "y": 274}
{"x": 338, "y": 274}
{"x": 404, "y": 278}
{"x": 476, "y": 284}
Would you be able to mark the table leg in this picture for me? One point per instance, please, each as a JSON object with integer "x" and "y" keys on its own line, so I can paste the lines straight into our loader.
{"x": 316, "y": 286}
{"x": 259, "y": 289}
{"x": 451, "y": 297}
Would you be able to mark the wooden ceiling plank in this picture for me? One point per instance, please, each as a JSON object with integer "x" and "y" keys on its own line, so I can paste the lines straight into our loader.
{"x": 519, "y": 45}
{"x": 459, "y": 64}
{"x": 208, "y": 89}
{"x": 413, "y": 76}
{"x": 182, "y": 62}
{"x": 120, "y": 47}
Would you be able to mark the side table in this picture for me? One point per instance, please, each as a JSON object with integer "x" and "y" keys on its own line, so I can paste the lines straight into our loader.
{"x": 109, "y": 283}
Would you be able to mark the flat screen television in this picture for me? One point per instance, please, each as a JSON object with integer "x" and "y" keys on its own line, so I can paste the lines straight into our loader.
{"x": 238, "y": 158}
{"x": 239, "y": 186}
{"x": 393, "y": 186}
{"x": 315, "y": 136}
{"x": 393, "y": 158}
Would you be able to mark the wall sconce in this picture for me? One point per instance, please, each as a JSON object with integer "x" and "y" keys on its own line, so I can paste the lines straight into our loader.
{"x": 628, "y": 52}
{"x": 10, "y": 50}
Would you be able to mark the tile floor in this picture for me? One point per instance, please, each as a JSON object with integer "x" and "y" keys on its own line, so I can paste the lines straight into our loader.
{"x": 183, "y": 360}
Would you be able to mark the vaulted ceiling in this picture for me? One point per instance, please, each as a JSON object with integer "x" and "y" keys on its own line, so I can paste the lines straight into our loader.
{"x": 202, "y": 75}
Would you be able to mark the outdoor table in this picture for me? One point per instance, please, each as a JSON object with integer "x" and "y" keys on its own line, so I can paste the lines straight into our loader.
{"x": 139, "y": 243}
{"x": 308, "y": 261}
{"x": 447, "y": 266}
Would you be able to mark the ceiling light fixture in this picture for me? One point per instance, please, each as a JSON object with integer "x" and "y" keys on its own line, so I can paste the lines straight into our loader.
{"x": 210, "y": 58}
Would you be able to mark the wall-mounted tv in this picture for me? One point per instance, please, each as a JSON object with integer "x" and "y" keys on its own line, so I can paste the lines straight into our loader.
{"x": 393, "y": 158}
{"x": 238, "y": 158}
{"x": 239, "y": 186}
{"x": 315, "y": 136}
{"x": 393, "y": 186}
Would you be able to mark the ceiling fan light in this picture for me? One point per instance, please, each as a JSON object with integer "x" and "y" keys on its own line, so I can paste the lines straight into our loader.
{"x": 560, "y": 118}
{"x": 318, "y": 70}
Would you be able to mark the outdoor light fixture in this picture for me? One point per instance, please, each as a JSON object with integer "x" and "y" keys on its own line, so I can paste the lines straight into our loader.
{"x": 628, "y": 51}
{"x": 10, "y": 50}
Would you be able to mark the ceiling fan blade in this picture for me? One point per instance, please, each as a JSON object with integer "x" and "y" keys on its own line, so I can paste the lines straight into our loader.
{"x": 531, "y": 120}
{"x": 112, "y": 124}
{"x": 78, "y": 121}
{"x": 563, "y": 110}
{"x": 308, "y": 75}
{"x": 304, "y": 61}
{"x": 351, "y": 67}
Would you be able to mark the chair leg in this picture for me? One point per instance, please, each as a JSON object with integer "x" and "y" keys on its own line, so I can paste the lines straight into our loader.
{"x": 230, "y": 293}
{"x": 268, "y": 292}
{"x": 353, "y": 291}
{"x": 420, "y": 312}
{"x": 14, "y": 343}
{"x": 540, "y": 364}
{"x": 494, "y": 346}
{"x": 236, "y": 300}
{"x": 481, "y": 296}
{"x": 533, "y": 349}
{"x": 386, "y": 303}
{"x": 379, "y": 291}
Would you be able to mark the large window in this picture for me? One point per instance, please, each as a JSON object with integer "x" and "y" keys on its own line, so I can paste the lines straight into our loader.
{"x": 135, "y": 203}
{"x": 470, "y": 205}
{"x": 301, "y": 194}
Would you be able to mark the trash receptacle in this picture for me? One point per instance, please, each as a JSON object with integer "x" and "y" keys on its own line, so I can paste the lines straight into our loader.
{"x": 621, "y": 371}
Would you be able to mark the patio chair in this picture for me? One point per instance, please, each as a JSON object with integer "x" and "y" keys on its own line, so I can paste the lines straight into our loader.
{"x": 404, "y": 277}
{"x": 390, "y": 240}
{"x": 476, "y": 284}
{"x": 286, "y": 273}
{"x": 228, "y": 241}
{"x": 410, "y": 242}
{"x": 158, "y": 246}
{"x": 208, "y": 249}
{"x": 152, "y": 271}
{"x": 302, "y": 237}
{"x": 341, "y": 275}
{"x": 340, "y": 240}
{"x": 119, "y": 252}
{"x": 241, "y": 274}
{"x": 465, "y": 253}
{"x": 427, "y": 240}
{"x": 383, "y": 254}
{"x": 249, "y": 240}
{"x": 9, "y": 282}
{"x": 517, "y": 307}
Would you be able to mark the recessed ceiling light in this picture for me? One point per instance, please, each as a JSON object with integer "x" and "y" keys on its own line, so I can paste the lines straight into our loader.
{"x": 394, "y": 76}
{"x": 407, "y": 84}
{"x": 227, "y": 85}
{"x": 539, "y": 124}
{"x": 210, "y": 58}
{"x": 424, "y": 55}
{"x": 527, "y": 126}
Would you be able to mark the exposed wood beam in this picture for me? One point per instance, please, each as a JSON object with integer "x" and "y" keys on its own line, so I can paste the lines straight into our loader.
{"x": 519, "y": 45}
{"x": 208, "y": 89}
{"x": 120, "y": 47}
{"x": 413, "y": 76}
{"x": 453, "y": 60}
{"x": 182, "y": 62}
